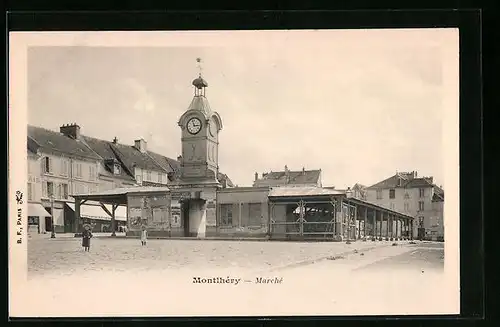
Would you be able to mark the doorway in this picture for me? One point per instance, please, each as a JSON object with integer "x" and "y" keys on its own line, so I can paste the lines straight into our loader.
{"x": 48, "y": 224}
{"x": 185, "y": 217}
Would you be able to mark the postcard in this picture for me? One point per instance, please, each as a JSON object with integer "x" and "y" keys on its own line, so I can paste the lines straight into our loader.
{"x": 234, "y": 173}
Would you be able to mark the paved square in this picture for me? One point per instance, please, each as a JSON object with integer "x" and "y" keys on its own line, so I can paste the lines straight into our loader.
{"x": 65, "y": 255}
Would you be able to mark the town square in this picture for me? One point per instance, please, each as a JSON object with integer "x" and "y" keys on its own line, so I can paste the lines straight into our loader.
{"x": 214, "y": 178}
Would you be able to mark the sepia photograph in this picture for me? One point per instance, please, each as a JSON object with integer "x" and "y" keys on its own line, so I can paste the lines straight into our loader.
{"x": 234, "y": 173}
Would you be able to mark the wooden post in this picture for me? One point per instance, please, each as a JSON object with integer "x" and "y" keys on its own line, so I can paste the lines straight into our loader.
{"x": 392, "y": 227}
{"x": 380, "y": 230}
{"x": 387, "y": 227}
{"x": 364, "y": 222}
{"x": 411, "y": 230}
{"x": 358, "y": 224}
{"x": 76, "y": 227}
{"x": 113, "y": 223}
{"x": 339, "y": 219}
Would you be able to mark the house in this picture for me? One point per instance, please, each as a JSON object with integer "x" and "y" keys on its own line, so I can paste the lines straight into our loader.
{"x": 111, "y": 172}
{"x": 36, "y": 212}
{"x": 417, "y": 196}
{"x": 359, "y": 191}
{"x": 289, "y": 178}
{"x": 67, "y": 166}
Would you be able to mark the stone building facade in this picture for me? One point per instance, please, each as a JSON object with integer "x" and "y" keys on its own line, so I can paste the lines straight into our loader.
{"x": 417, "y": 196}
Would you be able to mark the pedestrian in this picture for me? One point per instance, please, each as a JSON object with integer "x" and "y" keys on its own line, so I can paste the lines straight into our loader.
{"x": 86, "y": 236}
{"x": 144, "y": 235}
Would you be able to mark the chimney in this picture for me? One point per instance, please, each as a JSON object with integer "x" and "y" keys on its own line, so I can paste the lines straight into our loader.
{"x": 287, "y": 175}
{"x": 415, "y": 174}
{"x": 303, "y": 170}
{"x": 115, "y": 140}
{"x": 70, "y": 130}
{"x": 256, "y": 176}
{"x": 140, "y": 145}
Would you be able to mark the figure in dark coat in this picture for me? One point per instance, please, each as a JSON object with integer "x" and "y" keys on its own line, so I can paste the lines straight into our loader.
{"x": 86, "y": 236}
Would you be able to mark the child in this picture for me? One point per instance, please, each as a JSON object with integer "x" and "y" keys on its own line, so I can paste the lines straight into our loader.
{"x": 144, "y": 235}
{"x": 86, "y": 236}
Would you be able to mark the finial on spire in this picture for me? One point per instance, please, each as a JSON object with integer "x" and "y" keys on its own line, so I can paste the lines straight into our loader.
{"x": 198, "y": 60}
{"x": 200, "y": 84}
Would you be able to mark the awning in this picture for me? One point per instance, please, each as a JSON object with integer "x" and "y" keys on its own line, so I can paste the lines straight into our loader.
{"x": 96, "y": 212}
{"x": 37, "y": 210}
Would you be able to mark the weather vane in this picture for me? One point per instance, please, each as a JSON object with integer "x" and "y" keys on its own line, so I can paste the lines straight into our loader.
{"x": 198, "y": 60}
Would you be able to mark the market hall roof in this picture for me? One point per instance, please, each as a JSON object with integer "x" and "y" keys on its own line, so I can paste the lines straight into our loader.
{"x": 300, "y": 191}
{"x": 119, "y": 195}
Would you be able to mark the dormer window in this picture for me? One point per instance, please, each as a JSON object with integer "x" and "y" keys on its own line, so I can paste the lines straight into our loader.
{"x": 116, "y": 169}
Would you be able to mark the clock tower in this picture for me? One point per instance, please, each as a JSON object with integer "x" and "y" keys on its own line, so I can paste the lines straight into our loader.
{"x": 200, "y": 128}
{"x": 196, "y": 188}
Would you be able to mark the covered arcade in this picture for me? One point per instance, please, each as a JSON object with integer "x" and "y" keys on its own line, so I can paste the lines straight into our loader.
{"x": 317, "y": 213}
{"x": 110, "y": 201}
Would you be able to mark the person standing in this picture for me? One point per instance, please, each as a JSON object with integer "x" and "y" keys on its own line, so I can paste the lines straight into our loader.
{"x": 144, "y": 235}
{"x": 86, "y": 236}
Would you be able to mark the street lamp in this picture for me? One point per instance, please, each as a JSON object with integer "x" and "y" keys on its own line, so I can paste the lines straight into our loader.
{"x": 53, "y": 232}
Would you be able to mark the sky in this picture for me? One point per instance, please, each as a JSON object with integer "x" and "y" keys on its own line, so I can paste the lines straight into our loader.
{"x": 357, "y": 104}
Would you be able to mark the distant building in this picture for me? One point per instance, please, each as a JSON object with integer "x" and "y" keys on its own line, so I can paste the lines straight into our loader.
{"x": 359, "y": 191}
{"x": 289, "y": 178}
{"x": 416, "y": 196}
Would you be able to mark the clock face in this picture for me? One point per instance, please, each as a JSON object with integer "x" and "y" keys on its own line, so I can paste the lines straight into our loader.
{"x": 194, "y": 125}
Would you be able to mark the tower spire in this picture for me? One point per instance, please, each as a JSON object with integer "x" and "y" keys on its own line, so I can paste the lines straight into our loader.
{"x": 200, "y": 68}
{"x": 199, "y": 84}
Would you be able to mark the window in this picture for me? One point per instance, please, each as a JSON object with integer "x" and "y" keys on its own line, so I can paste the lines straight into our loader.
{"x": 421, "y": 192}
{"x": 407, "y": 196}
{"x": 421, "y": 222}
{"x": 379, "y": 194}
{"x": 116, "y": 169}
{"x": 30, "y": 191}
{"x": 78, "y": 170}
{"x": 64, "y": 167}
{"x": 47, "y": 165}
{"x": 254, "y": 214}
{"x": 392, "y": 194}
{"x": 92, "y": 176}
{"x": 50, "y": 189}
{"x": 421, "y": 206}
{"x": 138, "y": 178}
{"x": 63, "y": 191}
{"x": 226, "y": 215}
{"x": 29, "y": 167}
{"x": 407, "y": 206}
{"x": 160, "y": 178}
{"x": 148, "y": 175}
{"x": 392, "y": 206}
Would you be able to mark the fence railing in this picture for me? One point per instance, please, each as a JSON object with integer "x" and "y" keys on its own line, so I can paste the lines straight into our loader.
{"x": 303, "y": 228}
